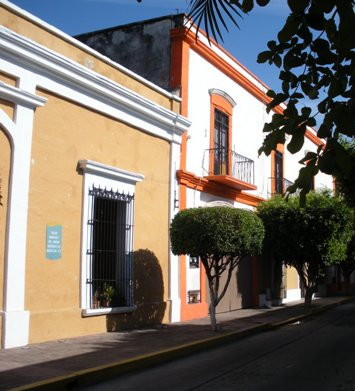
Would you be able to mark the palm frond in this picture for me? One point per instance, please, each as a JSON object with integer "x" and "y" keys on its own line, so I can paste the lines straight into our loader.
{"x": 214, "y": 13}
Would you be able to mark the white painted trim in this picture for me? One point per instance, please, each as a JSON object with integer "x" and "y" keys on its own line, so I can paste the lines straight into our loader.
{"x": 86, "y": 48}
{"x": 16, "y": 326}
{"x": 226, "y": 204}
{"x": 174, "y": 267}
{"x": 106, "y": 311}
{"x": 234, "y": 63}
{"x": 292, "y": 295}
{"x": 104, "y": 170}
{"x": 216, "y": 91}
{"x": 16, "y": 95}
{"x": 15, "y": 330}
{"x": 78, "y": 83}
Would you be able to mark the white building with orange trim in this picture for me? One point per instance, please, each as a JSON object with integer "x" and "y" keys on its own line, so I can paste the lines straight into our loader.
{"x": 219, "y": 154}
{"x": 89, "y": 152}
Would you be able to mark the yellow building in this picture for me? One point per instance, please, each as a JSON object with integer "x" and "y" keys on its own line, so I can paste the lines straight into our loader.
{"x": 88, "y": 154}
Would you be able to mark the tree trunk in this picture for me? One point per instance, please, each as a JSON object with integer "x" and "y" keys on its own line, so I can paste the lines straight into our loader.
{"x": 277, "y": 280}
{"x": 213, "y": 316}
{"x": 308, "y": 295}
{"x": 212, "y": 306}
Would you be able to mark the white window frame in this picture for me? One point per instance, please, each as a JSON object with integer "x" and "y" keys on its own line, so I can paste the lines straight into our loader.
{"x": 106, "y": 177}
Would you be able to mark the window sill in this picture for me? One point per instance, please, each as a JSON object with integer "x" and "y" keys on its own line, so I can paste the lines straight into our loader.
{"x": 107, "y": 311}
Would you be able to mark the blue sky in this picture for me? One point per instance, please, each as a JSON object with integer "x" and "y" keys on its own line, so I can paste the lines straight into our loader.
{"x": 79, "y": 16}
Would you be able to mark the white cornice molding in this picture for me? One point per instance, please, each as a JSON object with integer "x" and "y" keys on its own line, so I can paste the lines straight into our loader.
{"x": 23, "y": 50}
{"x": 225, "y": 55}
{"x": 100, "y": 169}
{"x": 18, "y": 96}
{"x": 14, "y": 8}
{"x": 216, "y": 91}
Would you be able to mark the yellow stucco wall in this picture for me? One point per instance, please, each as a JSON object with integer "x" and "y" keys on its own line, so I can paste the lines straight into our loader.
{"x": 29, "y": 29}
{"x": 63, "y": 134}
{"x": 292, "y": 278}
{"x": 8, "y": 108}
{"x": 5, "y": 157}
{"x": 8, "y": 79}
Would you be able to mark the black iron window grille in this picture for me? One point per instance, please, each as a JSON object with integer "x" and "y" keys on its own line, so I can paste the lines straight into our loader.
{"x": 194, "y": 297}
{"x": 221, "y": 143}
{"x": 279, "y": 173}
{"x": 194, "y": 262}
{"x": 109, "y": 268}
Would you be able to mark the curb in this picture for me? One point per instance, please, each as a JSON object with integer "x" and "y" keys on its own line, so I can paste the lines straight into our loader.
{"x": 96, "y": 374}
{"x": 312, "y": 311}
{"x": 99, "y": 373}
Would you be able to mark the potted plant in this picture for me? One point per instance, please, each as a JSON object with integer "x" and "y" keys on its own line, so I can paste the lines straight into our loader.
{"x": 108, "y": 294}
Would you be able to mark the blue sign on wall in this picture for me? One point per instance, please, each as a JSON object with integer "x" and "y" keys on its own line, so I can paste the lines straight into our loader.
{"x": 53, "y": 242}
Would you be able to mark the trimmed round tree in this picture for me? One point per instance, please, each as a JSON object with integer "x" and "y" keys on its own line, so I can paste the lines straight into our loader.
{"x": 308, "y": 237}
{"x": 221, "y": 237}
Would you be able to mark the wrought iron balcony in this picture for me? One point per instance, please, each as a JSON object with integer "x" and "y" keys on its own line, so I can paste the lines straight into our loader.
{"x": 230, "y": 168}
{"x": 278, "y": 185}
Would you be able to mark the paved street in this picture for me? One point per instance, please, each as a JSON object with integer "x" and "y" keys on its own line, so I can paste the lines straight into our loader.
{"x": 82, "y": 361}
{"x": 315, "y": 354}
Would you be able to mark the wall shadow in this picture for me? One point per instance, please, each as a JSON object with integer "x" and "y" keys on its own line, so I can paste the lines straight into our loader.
{"x": 244, "y": 280}
{"x": 265, "y": 271}
{"x": 239, "y": 291}
{"x": 148, "y": 295}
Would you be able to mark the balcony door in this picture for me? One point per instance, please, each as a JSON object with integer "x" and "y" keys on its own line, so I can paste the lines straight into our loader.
{"x": 221, "y": 143}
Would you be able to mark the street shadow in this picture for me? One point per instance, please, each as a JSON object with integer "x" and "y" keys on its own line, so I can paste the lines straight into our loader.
{"x": 148, "y": 295}
{"x": 63, "y": 357}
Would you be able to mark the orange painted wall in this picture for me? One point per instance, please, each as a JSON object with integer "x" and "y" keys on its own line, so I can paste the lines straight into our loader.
{"x": 179, "y": 78}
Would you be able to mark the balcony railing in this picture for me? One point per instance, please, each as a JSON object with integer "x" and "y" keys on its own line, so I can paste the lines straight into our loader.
{"x": 221, "y": 161}
{"x": 278, "y": 185}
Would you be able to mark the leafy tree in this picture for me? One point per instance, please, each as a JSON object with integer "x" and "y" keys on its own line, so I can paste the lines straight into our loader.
{"x": 221, "y": 237}
{"x": 315, "y": 53}
{"x": 345, "y": 181}
{"x": 347, "y": 266}
{"x": 308, "y": 237}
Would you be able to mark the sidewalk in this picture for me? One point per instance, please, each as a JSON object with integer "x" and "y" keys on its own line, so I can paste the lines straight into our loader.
{"x": 72, "y": 362}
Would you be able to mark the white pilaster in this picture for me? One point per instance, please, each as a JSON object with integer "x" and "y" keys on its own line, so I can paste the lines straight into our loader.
{"x": 174, "y": 272}
{"x": 15, "y": 317}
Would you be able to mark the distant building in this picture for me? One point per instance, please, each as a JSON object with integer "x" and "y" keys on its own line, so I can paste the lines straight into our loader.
{"x": 219, "y": 154}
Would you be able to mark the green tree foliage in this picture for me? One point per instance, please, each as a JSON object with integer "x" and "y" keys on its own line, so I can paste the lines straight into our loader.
{"x": 221, "y": 237}
{"x": 315, "y": 54}
{"x": 308, "y": 237}
{"x": 347, "y": 266}
{"x": 345, "y": 181}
